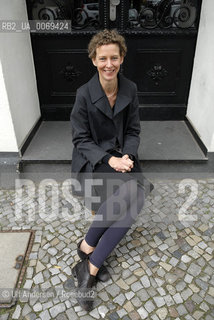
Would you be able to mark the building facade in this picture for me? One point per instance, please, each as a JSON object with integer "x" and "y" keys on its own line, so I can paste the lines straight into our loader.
{"x": 23, "y": 102}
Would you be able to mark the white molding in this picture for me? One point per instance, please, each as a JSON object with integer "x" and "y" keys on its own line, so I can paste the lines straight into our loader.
{"x": 200, "y": 110}
{"x": 19, "y": 87}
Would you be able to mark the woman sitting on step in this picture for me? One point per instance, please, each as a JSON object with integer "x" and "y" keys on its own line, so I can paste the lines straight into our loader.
{"x": 105, "y": 132}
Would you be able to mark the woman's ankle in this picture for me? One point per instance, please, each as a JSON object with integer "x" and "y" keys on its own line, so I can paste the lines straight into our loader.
{"x": 85, "y": 247}
{"x": 92, "y": 269}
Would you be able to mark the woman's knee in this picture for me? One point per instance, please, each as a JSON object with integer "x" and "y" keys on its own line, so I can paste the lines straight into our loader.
{"x": 131, "y": 191}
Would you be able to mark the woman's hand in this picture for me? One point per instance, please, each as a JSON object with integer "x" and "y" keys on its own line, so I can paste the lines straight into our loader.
{"x": 123, "y": 164}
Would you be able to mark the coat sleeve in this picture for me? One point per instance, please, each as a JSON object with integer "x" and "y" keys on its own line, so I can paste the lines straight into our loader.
{"x": 81, "y": 133}
{"x": 132, "y": 129}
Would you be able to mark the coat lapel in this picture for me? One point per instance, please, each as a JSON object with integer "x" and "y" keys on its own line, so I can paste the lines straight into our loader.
{"x": 124, "y": 96}
{"x": 98, "y": 96}
{"x": 100, "y": 100}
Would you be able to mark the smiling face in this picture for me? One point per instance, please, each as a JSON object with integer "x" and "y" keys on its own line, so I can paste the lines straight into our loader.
{"x": 108, "y": 61}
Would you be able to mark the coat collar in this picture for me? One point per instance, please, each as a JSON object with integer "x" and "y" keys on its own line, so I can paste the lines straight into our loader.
{"x": 100, "y": 100}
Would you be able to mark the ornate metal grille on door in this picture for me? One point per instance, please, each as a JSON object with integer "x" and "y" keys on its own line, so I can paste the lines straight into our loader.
{"x": 148, "y": 14}
{"x": 161, "y": 37}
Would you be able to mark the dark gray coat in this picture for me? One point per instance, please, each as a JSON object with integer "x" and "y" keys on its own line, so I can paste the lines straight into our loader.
{"x": 95, "y": 126}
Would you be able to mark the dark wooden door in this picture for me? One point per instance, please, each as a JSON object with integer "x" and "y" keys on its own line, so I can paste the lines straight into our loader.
{"x": 161, "y": 37}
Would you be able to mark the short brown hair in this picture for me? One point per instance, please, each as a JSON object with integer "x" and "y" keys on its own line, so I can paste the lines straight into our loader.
{"x": 106, "y": 37}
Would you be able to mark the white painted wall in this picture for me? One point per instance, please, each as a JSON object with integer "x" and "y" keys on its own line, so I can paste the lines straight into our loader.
{"x": 19, "y": 105}
{"x": 200, "y": 109}
{"x": 19, "y": 76}
{"x": 8, "y": 141}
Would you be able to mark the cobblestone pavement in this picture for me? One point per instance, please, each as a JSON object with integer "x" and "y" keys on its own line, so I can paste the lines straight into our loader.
{"x": 162, "y": 269}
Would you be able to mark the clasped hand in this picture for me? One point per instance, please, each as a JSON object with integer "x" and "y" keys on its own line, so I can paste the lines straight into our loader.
{"x": 123, "y": 164}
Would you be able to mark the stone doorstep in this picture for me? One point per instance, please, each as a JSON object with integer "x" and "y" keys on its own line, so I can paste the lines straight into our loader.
{"x": 160, "y": 140}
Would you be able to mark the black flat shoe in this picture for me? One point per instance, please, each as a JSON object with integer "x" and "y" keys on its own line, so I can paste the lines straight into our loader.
{"x": 103, "y": 274}
{"x": 84, "y": 292}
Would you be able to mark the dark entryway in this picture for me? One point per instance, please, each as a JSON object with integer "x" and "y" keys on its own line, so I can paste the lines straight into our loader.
{"x": 161, "y": 37}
